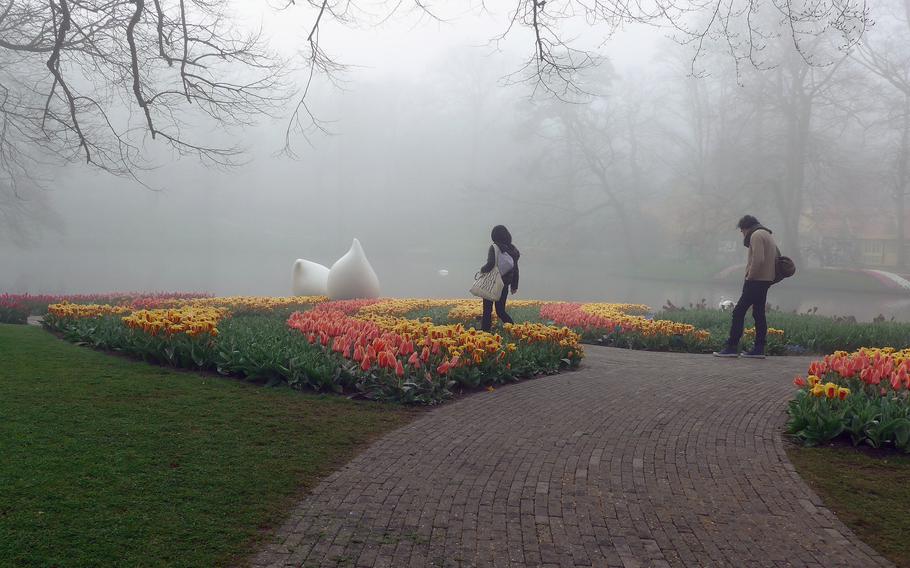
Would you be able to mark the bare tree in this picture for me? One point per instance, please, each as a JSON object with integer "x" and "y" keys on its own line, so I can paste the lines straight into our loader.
{"x": 94, "y": 80}
{"x": 97, "y": 80}
{"x": 743, "y": 29}
{"x": 66, "y": 62}
{"x": 889, "y": 61}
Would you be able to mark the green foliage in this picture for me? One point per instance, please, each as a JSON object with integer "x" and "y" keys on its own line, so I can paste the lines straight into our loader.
{"x": 440, "y": 315}
{"x": 108, "y": 333}
{"x": 638, "y": 340}
{"x": 879, "y": 421}
{"x": 12, "y": 313}
{"x": 437, "y": 315}
{"x": 804, "y": 333}
{"x": 816, "y": 420}
{"x": 259, "y": 347}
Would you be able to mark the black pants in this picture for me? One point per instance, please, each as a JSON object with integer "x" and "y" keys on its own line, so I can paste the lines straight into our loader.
{"x": 487, "y": 322}
{"x": 755, "y": 296}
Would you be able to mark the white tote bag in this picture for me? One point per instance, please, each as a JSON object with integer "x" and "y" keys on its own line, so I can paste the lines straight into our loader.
{"x": 489, "y": 286}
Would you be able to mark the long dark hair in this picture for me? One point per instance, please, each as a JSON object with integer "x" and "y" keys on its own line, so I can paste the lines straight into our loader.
{"x": 501, "y": 235}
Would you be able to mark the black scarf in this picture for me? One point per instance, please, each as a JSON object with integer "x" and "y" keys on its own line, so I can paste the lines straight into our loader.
{"x": 747, "y": 241}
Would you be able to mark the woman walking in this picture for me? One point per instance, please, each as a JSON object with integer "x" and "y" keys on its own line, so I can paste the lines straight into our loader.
{"x": 508, "y": 269}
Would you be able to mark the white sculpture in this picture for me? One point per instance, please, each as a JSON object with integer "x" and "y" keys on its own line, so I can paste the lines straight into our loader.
{"x": 726, "y": 305}
{"x": 352, "y": 276}
{"x": 443, "y": 272}
{"x": 309, "y": 278}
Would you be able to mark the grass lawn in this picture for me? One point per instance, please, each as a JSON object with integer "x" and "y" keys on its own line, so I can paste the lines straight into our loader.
{"x": 106, "y": 461}
{"x": 869, "y": 492}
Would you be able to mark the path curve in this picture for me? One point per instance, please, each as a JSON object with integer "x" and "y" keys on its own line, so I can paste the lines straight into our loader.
{"x": 637, "y": 459}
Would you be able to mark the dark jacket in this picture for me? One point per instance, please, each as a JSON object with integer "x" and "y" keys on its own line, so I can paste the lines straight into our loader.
{"x": 510, "y": 278}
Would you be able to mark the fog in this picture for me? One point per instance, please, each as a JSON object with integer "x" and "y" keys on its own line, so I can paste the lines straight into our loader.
{"x": 626, "y": 190}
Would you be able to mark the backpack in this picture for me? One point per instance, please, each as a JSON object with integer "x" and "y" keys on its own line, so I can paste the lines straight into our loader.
{"x": 784, "y": 267}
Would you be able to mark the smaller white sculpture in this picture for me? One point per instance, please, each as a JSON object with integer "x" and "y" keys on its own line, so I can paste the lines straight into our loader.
{"x": 309, "y": 278}
{"x": 352, "y": 276}
{"x": 443, "y": 272}
{"x": 727, "y": 305}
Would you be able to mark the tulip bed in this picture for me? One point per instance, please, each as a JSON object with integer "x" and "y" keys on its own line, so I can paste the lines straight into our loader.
{"x": 864, "y": 395}
{"x": 363, "y": 347}
{"x": 15, "y": 308}
{"x": 617, "y": 325}
{"x": 403, "y": 350}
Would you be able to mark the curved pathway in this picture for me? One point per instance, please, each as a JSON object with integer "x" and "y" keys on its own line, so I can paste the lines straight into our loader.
{"x": 638, "y": 459}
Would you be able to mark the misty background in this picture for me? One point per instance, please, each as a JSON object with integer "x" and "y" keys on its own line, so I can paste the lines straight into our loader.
{"x": 631, "y": 194}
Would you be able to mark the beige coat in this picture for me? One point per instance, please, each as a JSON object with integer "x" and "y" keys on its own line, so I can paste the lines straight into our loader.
{"x": 762, "y": 257}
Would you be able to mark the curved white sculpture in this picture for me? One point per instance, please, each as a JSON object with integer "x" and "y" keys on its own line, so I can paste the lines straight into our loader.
{"x": 352, "y": 276}
{"x": 309, "y": 278}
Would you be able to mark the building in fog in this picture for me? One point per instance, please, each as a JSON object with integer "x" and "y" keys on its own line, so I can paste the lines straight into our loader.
{"x": 865, "y": 238}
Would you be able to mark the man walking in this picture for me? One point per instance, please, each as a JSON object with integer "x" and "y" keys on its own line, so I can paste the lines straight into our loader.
{"x": 760, "y": 274}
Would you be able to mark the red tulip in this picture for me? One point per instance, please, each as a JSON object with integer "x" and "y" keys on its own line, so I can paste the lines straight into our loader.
{"x": 899, "y": 379}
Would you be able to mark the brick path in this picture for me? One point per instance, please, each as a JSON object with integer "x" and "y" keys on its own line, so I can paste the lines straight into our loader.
{"x": 638, "y": 459}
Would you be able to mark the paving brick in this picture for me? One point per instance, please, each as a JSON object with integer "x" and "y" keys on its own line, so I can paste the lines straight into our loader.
{"x": 637, "y": 459}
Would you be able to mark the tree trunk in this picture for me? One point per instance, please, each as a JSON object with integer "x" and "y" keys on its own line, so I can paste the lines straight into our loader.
{"x": 900, "y": 192}
{"x": 798, "y": 128}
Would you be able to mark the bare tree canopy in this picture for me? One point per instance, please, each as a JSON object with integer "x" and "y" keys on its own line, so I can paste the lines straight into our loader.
{"x": 96, "y": 80}
{"x": 90, "y": 80}
{"x": 555, "y": 29}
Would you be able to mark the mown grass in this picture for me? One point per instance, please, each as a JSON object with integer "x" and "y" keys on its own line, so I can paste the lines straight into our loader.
{"x": 112, "y": 462}
{"x": 869, "y": 492}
